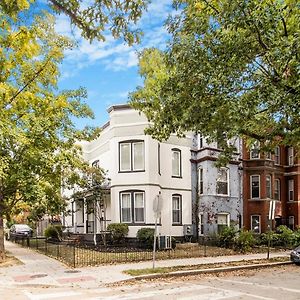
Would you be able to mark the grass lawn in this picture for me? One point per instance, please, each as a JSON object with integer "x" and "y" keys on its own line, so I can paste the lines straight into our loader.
{"x": 162, "y": 270}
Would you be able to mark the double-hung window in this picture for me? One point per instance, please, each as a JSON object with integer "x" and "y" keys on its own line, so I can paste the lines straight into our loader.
{"x": 277, "y": 189}
{"x": 290, "y": 156}
{"x": 255, "y": 186}
{"x": 269, "y": 186}
{"x": 222, "y": 181}
{"x": 291, "y": 189}
{"x": 255, "y": 224}
{"x": 132, "y": 207}
{"x": 176, "y": 163}
{"x": 277, "y": 155}
{"x": 176, "y": 209}
{"x": 223, "y": 220}
{"x": 254, "y": 152}
{"x": 131, "y": 156}
{"x": 200, "y": 180}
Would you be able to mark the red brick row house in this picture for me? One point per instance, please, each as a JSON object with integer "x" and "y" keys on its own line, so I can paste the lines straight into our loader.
{"x": 268, "y": 177}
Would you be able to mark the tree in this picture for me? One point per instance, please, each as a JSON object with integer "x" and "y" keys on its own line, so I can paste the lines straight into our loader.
{"x": 94, "y": 17}
{"x": 38, "y": 151}
{"x": 231, "y": 69}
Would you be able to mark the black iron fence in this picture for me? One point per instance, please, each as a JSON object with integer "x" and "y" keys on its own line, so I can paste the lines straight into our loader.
{"x": 76, "y": 255}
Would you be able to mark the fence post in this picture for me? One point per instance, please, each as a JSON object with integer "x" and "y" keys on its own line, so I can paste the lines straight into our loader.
{"x": 57, "y": 252}
{"x": 36, "y": 243}
{"x": 46, "y": 246}
{"x": 28, "y": 242}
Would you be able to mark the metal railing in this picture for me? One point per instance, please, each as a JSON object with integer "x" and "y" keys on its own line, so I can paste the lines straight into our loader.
{"x": 76, "y": 255}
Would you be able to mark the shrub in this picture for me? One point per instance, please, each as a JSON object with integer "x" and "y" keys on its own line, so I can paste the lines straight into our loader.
{"x": 286, "y": 235}
{"x": 244, "y": 241}
{"x": 53, "y": 232}
{"x": 146, "y": 237}
{"x": 118, "y": 232}
{"x": 226, "y": 237}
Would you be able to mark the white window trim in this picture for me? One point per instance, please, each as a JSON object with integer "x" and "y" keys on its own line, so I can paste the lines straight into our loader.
{"x": 277, "y": 154}
{"x": 179, "y": 163}
{"x": 124, "y": 170}
{"x": 269, "y": 196}
{"x": 259, "y": 220}
{"x": 134, "y": 194}
{"x": 199, "y": 180}
{"x": 291, "y": 156}
{"x": 125, "y": 193}
{"x": 180, "y": 209}
{"x": 228, "y": 180}
{"x": 251, "y": 176}
{"x": 143, "y": 154}
{"x": 291, "y": 189}
{"x": 254, "y": 147}
{"x": 279, "y": 188}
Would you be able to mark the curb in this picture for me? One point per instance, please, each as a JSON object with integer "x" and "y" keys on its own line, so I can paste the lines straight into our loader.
{"x": 206, "y": 271}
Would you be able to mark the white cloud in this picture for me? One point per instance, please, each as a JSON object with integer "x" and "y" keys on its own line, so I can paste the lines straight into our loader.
{"x": 114, "y": 54}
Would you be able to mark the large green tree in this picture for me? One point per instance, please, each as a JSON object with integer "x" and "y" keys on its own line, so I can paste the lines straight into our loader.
{"x": 231, "y": 69}
{"x": 38, "y": 152}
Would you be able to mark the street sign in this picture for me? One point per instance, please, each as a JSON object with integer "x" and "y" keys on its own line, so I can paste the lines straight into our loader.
{"x": 157, "y": 204}
{"x": 272, "y": 206}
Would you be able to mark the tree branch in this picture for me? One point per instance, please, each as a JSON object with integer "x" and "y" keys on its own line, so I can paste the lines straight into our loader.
{"x": 29, "y": 82}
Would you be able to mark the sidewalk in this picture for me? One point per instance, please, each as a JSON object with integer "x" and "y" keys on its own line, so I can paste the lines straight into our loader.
{"x": 38, "y": 269}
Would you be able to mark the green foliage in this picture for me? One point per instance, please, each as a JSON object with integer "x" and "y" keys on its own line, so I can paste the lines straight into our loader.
{"x": 118, "y": 231}
{"x": 146, "y": 237}
{"x": 53, "y": 232}
{"x": 231, "y": 69}
{"x": 92, "y": 18}
{"x": 244, "y": 241}
{"x": 227, "y": 237}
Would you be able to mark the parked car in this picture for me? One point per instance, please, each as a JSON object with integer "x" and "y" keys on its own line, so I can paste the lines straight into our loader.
{"x": 19, "y": 230}
{"x": 295, "y": 255}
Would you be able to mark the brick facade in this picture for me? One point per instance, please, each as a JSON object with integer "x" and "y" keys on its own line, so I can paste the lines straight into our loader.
{"x": 271, "y": 177}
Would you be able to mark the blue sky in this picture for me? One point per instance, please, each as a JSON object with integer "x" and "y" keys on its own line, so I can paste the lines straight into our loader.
{"x": 108, "y": 70}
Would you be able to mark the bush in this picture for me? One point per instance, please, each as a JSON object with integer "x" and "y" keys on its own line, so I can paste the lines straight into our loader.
{"x": 286, "y": 235}
{"x": 244, "y": 241}
{"x": 146, "y": 237}
{"x": 118, "y": 232}
{"x": 226, "y": 237}
{"x": 53, "y": 232}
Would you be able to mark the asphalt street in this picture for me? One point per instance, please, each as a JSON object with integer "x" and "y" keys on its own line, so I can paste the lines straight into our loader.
{"x": 265, "y": 284}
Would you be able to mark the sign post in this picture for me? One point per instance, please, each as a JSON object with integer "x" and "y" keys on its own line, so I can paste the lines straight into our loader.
{"x": 271, "y": 217}
{"x": 157, "y": 202}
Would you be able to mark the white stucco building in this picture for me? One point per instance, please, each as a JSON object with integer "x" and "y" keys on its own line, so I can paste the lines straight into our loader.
{"x": 139, "y": 168}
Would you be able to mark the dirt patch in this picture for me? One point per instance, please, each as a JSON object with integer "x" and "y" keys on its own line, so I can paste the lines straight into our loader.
{"x": 9, "y": 261}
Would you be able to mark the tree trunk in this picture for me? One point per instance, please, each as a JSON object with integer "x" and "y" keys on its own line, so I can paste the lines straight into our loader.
{"x": 2, "y": 250}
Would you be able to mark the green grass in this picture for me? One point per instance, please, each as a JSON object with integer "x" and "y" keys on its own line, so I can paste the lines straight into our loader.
{"x": 163, "y": 270}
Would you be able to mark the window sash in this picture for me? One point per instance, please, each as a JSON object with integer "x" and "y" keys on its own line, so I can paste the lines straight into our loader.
{"x": 222, "y": 181}
{"x": 255, "y": 186}
{"x": 268, "y": 186}
{"x": 176, "y": 160}
{"x": 277, "y": 155}
{"x": 291, "y": 190}
{"x": 138, "y": 156}
{"x": 255, "y": 223}
{"x": 176, "y": 210}
{"x": 200, "y": 183}
{"x": 291, "y": 156}
{"x": 139, "y": 204}
{"x": 254, "y": 151}
{"x": 277, "y": 189}
{"x": 125, "y": 157}
{"x": 126, "y": 208}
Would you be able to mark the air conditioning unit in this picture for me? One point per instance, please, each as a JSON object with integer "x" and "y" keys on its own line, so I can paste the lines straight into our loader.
{"x": 188, "y": 230}
{"x": 165, "y": 242}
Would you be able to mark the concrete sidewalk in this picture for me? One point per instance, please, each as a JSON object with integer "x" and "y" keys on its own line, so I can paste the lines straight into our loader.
{"x": 39, "y": 269}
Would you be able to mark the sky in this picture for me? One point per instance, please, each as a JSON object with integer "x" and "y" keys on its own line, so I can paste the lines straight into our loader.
{"x": 109, "y": 70}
